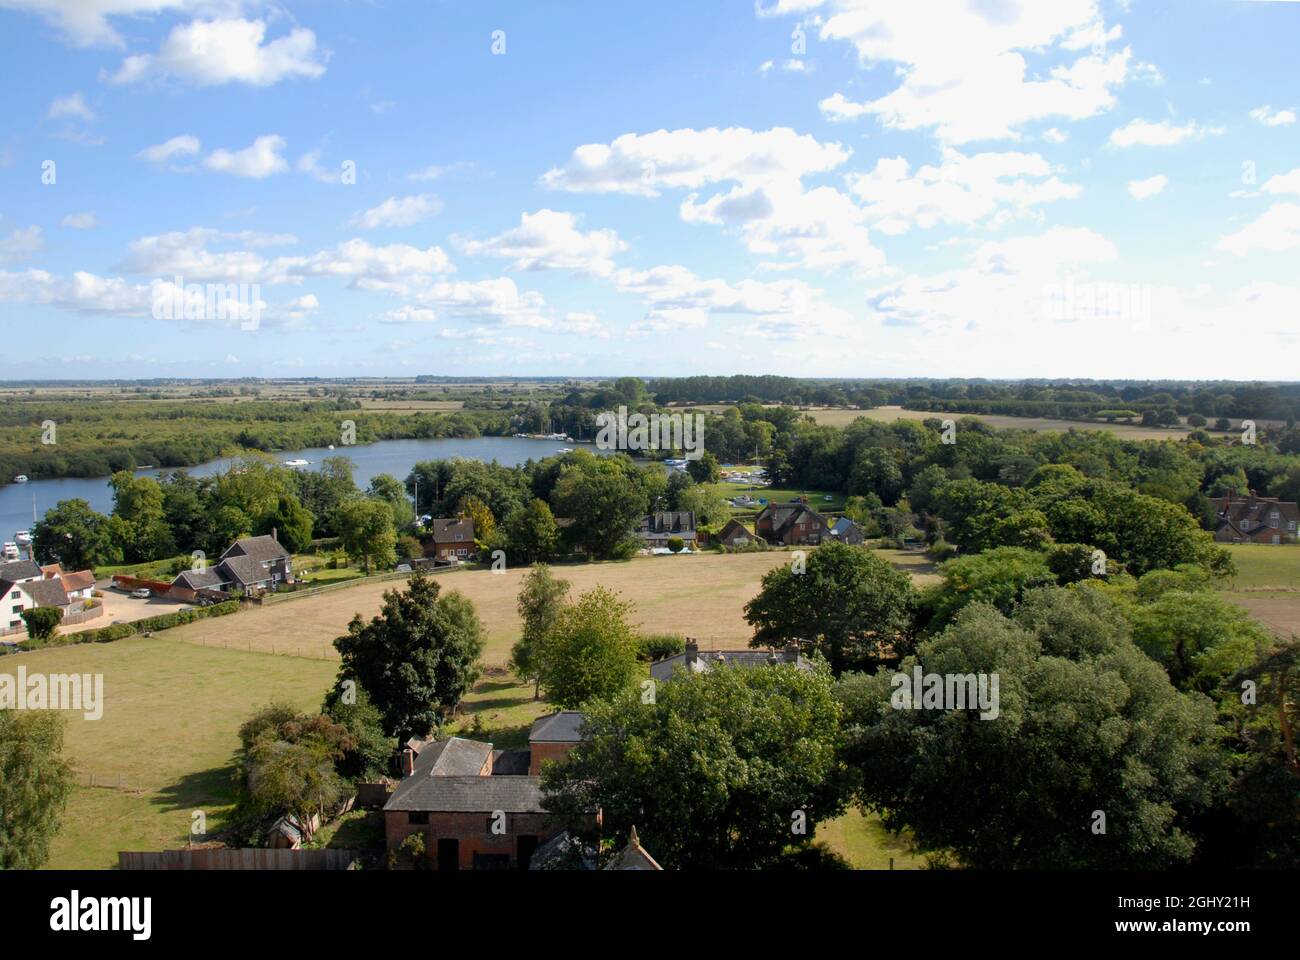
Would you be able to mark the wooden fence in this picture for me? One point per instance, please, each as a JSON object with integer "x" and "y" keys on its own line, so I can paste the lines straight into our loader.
{"x": 244, "y": 858}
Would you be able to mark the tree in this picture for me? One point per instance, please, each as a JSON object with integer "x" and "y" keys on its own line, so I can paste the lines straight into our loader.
{"x": 1199, "y": 638}
{"x": 1000, "y": 577}
{"x": 366, "y": 531}
{"x": 35, "y": 782}
{"x": 367, "y": 755}
{"x": 603, "y": 500}
{"x": 73, "y": 535}
{"x": 719, "y": 771}
{"x": 142, "y": 530}
{"x": 530, "y": 534}
{"x": 590, "y": 652}
{"x": 391, "y": 491}
{"x": 417, "y": 658}
{"x": 291, "y": 523}
{"x": 42, "y": 624}
{"x": 541, "y": 598}
{"x": 705, "y": 469}
{"x": 485, "y": 525}
{"x": 1086, "y": 726}
{"x": 851, "y": 605}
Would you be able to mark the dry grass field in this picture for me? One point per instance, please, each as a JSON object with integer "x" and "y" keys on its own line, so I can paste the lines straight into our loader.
{"x": 1268, "y": 584}
{"x": 1125, "y": 431}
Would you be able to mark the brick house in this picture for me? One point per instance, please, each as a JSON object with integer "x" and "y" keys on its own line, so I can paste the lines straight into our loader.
{"x": 253, "y": 564}
{"x": 736, "y": 534}
{"x": 694, "y": 661}
{"x": 656, "y": 529}
{"x": 479, "y": 808}
{"x": 1255, "y": 519}
{"x": 792, "y": 524}
{"x": 453, "y": 539}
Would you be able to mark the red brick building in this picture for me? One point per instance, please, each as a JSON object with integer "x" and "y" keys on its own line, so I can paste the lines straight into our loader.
{"x": 792, "y": 524}
{"x": 452, "y": 539}
{"x": 1255, "y": 519}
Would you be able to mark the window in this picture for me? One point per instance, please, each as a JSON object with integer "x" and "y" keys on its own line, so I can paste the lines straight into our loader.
{"x": 1273, "y": 519}
{"x": 17, "y": 608}
{"x": 417, "y": 817}
{"x": 18, "y": 594}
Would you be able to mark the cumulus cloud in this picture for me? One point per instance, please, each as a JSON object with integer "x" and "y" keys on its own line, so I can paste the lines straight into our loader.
{"x": 1275, "y": 230}
{"x": 1142, "y": 189}
{"x": 21, "y": 244}
{"x": 183, "y": 146}
{"x": 399, "y": 212}
{"x": 1163, "y": 133}
{"x": 259, "y": 160}
{"x": 73, "y": 105}
{"x": 551, "y": 240}
{"x": 214, "y": 52}
{"x": 1273, "y": 118}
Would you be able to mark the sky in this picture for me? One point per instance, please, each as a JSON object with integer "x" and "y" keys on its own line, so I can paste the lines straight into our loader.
{"x": 814, "y": 188}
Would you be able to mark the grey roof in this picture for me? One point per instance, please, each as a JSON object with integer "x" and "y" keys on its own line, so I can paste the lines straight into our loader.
{"x": 259, "y": 548}
{"x": 679, "y": 523}
{"x": 445, "y": 530}
{"x": 244, "y": 570}
{"x": 16, "y": 570}
{"x": 562, "y": 727}
{"x": 842, "y": 525}
{"x": 564, "y": 851}
{"x": 200, "y": 579}
{"x": 47, "y": 593}
{"x": 511, "y": 763}
{"x": 468, "y": 795}
{"x": 452, "y": 757}
{"x": 662, "y": 670}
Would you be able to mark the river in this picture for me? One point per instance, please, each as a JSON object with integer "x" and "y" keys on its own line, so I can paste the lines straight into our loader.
{"x": 396, "y": 457}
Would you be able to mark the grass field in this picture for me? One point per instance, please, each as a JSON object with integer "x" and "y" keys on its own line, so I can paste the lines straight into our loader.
{"x": 816, "y": 498}
{"x": 168, "y": 732}
{"x": 1268, "y": 584}
{"x": 1126, "y": 431}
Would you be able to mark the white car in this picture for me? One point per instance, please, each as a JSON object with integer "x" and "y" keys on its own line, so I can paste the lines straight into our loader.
{"x": 142, "y": 593}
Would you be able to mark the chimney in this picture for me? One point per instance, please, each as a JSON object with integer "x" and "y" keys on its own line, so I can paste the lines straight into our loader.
{"x": 791, "y": 652}
{"x": 692, "y": 651}
{"x": 275, "y": 535}
{"x": 408, "y": 761}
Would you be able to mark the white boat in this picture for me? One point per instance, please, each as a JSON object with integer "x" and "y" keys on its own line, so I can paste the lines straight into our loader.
{"x": 297, "y": 463}
{"x": 23, "y": 537}
{"x": 21, "y": 478}
{"x": 674, "y": 463}
{"x": 565, "y": 450}
{"x": 11, "y": 551}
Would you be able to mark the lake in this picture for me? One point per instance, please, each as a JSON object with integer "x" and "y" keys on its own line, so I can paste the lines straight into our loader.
{"x": 387, "y": 456}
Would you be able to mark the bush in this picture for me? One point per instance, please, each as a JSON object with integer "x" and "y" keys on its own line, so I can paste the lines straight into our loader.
{"x": 942, "y": 550}
{"x": 42, "y": 624}
{"x": 657, "y": 646}
{"x": 676, "y": 544}
{"x": 120, "y": 631}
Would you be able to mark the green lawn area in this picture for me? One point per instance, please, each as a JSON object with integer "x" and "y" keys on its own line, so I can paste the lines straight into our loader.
{"x": 324, "y": 575}
{"x": 863, "y": 840}
{"x": 1265, "y": 565}
{"x": 779, "y": 495}
{"x": 169, "y": 729}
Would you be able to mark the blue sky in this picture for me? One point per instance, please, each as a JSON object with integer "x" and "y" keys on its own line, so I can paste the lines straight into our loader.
{"x": 810, "y": 187}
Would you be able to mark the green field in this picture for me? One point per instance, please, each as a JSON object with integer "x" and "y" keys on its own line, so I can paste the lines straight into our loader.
{"x": 1262, "y": 565}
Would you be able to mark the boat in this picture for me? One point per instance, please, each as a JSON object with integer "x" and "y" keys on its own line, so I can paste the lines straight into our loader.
{"x": 21, "y": 478}
{"x": 675, "y": 463}
{"x": 11, "y": 551}
{"x": 23, "y": 538}
{"x": 565, "y": 450}
{"x": 297, "y": 463}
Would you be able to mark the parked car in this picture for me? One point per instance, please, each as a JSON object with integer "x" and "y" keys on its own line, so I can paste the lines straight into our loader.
{"x": 142, "y": 593}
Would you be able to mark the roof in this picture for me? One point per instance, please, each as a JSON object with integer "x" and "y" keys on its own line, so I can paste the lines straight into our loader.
{"x": 734, "y": 527}
{"x": 16, "y": 570}
{"x": 245, "y": 569}
{"x": 47, "y": 593}
{"x": 1256, "y": 510}
{"x": 562, "y": 727}
{"x": 200, "y": 579}
{"x": 454, "y": 756}
{"x": 704, "y": 660}
{"x": 842, "y": 526}
{"x": 446, "y": 530}
{"x": 79, "y": 580}
{"x": 259, "y": 548}
{"x": 52, "y": 569}
{"x": 563, "y": 851}
{"x": 633, "y": 857}
{"x": 663, "y": 522}
{"x": 511, "y": 763}
{"x": 457, "y": 794}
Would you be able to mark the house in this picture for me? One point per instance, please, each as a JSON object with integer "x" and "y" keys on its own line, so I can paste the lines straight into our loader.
{"x": 479, "y": 808}
{"x": 656, "y": 529}
{"x": 20, "y": 595}
{"x": 288, "y": 833}
{"x": 633, "y": 856}
{"x": 846, "y": 531}
{"x": 79, "y": 585}
{"x": 453, "y": 539}
{"x": 792, "y": 524}
{"x": 736, "y": 534}
{"x": 252, "y": 564}
{"x": 694, "y": 661}
{"x": 19, "y": 571}
{"x": 1255, "y": 519}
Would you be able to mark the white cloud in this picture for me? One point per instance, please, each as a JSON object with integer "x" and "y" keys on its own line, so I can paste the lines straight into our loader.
{"x": 1283, "y": 183}
{"x": 1276, "y": 230}
{"x": 73, "y": 105}
{"x": 1272, "y": 118}
{"x": 551, "y": 240}
{"x": 365, "y": 264}
{"x": 646, "y": 163}
{"x": 1053, "y": 135}
{"x": 495, "y": 301}
{"x": 258, "y": 160}
{"x": 81, "y": 221}
{"x": 83, "y": 292}
{"x": 1144, "y": 133}
{"x": 21, "y": 244}
{"x": 85, "y": 23}
{"x": 399, "y": 212}
{"x": 214, "y": 52}
{"x": 971, "y": 80}
{"x": 182, "y": 146}
{"x": 1142, "y": 189}
{"x": 962, "y": 189}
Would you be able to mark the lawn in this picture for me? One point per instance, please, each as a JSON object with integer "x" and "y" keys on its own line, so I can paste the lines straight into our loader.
{"x": 816, "y": 498}
{"x": 169, "y": 732}
{"x": 1262, "y": 565}
{"x": 863, "y": 840}
{"x": 838, "y": 417}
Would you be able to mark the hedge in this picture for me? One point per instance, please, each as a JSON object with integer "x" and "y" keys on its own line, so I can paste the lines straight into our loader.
{"x": 119, "y": 631}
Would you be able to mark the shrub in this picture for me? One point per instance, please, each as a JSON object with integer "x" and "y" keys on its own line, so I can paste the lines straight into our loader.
{"x": 676, "y": 544}
{"x": 942, "y": 550}
{"x": 42, "y": 624}
{"x": 657, "y": 646}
